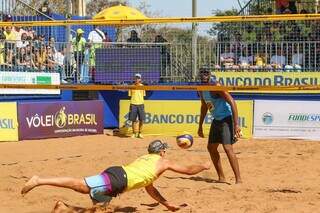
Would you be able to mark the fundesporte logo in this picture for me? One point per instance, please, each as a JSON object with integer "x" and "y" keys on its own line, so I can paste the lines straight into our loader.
{"x": 267, "y": 118}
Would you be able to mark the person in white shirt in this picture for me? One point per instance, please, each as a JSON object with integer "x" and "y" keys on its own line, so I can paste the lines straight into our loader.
{"x": 246, "y": 59}
{"x": 19, "y": 31}
{"x": 278, "y": 60}
{"x": 96, "y": 36}
{"x": 23, "y": 42}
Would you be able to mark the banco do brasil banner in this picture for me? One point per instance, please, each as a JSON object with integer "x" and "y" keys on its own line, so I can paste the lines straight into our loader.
{"x": 8, "y": 122}
{"x": 174, "y": 117}
{"x": 60, "y": 119}
{"x": 269, "y": 79}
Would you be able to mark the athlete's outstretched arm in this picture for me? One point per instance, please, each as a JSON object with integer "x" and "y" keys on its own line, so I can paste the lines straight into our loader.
{"x": 187, "y": 170}
{"x": 155, "y": 194}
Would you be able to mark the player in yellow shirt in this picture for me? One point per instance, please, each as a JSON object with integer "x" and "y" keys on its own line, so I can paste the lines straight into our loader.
{"x": 118, "y": 179}
{"x": 136, "y": 111}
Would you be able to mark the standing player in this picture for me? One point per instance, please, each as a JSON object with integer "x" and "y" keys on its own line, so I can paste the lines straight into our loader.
{"x": 224, "y": 127}
{"x": 136, "y": 111}
{"x": 118, "y": 179}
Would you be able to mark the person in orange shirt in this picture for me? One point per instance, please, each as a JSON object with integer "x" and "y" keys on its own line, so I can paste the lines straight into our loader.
{"x": 118, "y": 179}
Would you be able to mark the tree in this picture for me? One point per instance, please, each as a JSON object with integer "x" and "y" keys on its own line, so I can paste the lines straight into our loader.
{"x": 225, "y": 28}
{"x": 20, "y": 9}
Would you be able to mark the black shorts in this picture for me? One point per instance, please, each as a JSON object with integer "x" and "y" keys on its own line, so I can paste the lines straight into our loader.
{"x": 222, "y": 131}
{"x": 108, "y": 184}
{"x": 137, "y": 111}
{"x": 118, "y": 179}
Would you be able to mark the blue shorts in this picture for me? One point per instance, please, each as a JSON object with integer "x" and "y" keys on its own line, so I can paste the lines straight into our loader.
{"x": 100, "y": 187}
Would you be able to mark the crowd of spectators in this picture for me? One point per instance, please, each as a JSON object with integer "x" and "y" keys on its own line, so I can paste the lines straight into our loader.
{"x": 270, "y": 45}
{"x": 271, "y": 57}
{"x": 22, "y": 49}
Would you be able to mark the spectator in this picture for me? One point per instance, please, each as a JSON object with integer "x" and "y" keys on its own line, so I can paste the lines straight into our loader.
{"x": 304, "y": 11}
{"x": 29, "y": 58}
{"x": 30, "y": 32}
{"x": 7, "y": 18}
{"x": 10, "y": 35}
{"x": 61, "y": 65}
{"x": 78, "y": 49}
{"x": 297, "y": 59}
{"x": 260, "y": 61}
{"x": 23, "y": 42}
{"x": 2, "y": 50}
{"x": 292, "y": 7}
{"x": 85, "y": 67}
{"x": 42, "y": 39}
{"x": 59, "y": 57}
{"x": 50, "y": 62}
{"x": 20, "y": 59}
{"x": 18, "y": 31}
{"x": 134, "y": 37}
{"x": 9, "y": 44}
{"x": 107, "y": 39}
{"x": 52, "y": 44}
{"x": 36, "y": 42}
{"x": 246, "y": 59}
{"x": 165, "y": 55}
{"x": 96, "y": 36}
{"x": 278, "y": 60}
{"x": 227, "y": 57}
{"x": 281, "y": 6}
{"x": 45, "y": 8}
{"x": 41, "y": 57}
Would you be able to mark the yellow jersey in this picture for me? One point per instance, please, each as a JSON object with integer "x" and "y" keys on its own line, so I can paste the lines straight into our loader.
{"x": 10, "y": 36}
{"x": 259, "y": 61}
{"x": 141, "y": 172}
{"x": 137, "y": 96}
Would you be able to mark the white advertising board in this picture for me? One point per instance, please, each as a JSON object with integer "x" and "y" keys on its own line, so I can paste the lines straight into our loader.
{"x": 287, "y": 119}
{"x": 30, "y": 78}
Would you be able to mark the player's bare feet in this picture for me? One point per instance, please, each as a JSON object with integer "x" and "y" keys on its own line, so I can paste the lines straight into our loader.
{"x": 238, "y": 181}
{"x": 33, "y": 182}
{"x": 222, "y": 180}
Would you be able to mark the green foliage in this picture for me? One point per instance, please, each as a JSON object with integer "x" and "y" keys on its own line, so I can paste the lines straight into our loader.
{"x": 226, "y": 28}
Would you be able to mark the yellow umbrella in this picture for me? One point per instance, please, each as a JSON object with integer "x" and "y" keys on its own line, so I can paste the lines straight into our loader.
{"x": 120, "y": 12}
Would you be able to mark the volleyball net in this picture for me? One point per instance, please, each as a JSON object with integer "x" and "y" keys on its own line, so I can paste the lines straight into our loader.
{"x": 257, "y": 53}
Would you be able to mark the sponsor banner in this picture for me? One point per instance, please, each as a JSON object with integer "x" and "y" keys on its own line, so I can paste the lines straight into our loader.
{"x": 30, "y": 78}
{"x": 288, "y": 119}
{"x": 60, "y": 119}
{"x": 269, "y": 79}
{"x": 174, "y": 117}
{"x": 8, "y": 122}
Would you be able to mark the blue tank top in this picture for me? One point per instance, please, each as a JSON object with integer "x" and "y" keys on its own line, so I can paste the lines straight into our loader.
{"x": 220, "y": 107}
